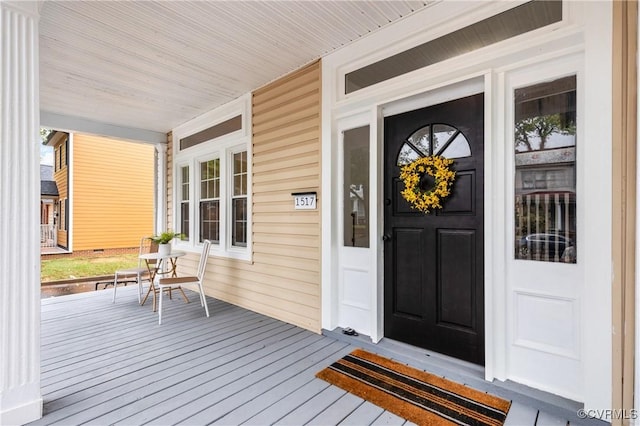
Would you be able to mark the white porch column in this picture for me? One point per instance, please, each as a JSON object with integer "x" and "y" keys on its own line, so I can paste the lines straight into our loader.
{"x": 161, "y": 187}
{"x": 20, "y": 398}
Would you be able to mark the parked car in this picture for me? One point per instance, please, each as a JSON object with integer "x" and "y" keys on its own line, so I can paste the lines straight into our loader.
{"x": 546, "y": 246}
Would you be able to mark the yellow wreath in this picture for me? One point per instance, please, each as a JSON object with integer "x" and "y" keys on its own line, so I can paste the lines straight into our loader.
{"x": 438, "y": 168}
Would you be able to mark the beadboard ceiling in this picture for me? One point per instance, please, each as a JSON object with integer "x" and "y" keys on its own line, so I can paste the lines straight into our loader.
{"x": 154, "y": 65}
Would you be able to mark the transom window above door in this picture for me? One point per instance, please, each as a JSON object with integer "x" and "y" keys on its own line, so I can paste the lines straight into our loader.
{"x": 434, "y": 139}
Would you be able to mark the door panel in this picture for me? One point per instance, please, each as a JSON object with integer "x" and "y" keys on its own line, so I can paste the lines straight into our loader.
{"x": 456, "y": 278}
{"x": 434, "y": 288}
{"x": 408, "y": 261}
{"x": 400, "y": 206}
{"x": 462, "y": 200}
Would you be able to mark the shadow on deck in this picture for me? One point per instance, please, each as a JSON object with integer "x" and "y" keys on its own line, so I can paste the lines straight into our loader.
{"x": 105, "y": 363}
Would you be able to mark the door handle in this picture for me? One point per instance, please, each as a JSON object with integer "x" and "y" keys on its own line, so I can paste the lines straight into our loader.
{"x": 386, "y": 237}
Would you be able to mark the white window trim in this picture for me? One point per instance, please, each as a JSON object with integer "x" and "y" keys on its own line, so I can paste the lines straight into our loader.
{"x": 223, "y": 148}
{"x": 195, "y": 199}
{"x": 229, "y": 197}
{"x": 179, "y": 182}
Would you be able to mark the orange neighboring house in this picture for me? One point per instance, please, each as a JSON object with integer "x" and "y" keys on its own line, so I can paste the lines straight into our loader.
{"x": 105, "y": 194}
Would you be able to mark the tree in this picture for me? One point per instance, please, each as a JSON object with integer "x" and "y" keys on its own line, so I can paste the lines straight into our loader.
{"x": 44, "y": 134}
{"x": 542, "y": 127}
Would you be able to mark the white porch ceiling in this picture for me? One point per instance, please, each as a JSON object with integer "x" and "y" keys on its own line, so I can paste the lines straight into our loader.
{"x": 154, "y": 65}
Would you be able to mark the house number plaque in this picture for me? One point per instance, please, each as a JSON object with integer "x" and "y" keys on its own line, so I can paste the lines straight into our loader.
{"x": 304, "y": 200}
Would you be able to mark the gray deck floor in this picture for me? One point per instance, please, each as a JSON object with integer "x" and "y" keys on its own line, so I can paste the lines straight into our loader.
{"x": 105, "y": 363}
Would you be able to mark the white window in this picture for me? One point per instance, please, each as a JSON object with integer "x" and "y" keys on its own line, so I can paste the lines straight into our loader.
{"x": 183, "y": 217}
{"x": 212, "y": 178}
{"x": 239, "y": 200}
{"x": 209, "y": 200}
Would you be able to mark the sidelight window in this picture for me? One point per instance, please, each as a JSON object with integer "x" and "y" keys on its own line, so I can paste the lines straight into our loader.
{"x": 545, "y": 171}
{"x": 356, "y": 187}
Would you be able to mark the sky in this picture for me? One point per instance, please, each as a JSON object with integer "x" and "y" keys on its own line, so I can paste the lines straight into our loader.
{"x": 46, "y": 155}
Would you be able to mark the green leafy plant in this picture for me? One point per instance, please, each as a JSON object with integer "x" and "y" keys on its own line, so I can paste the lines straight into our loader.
{"x": 166, "y": 237}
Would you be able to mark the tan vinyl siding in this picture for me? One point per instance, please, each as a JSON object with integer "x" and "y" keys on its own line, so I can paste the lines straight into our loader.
{"x": 283, "y": 280}
{"x": 113, "y": 192}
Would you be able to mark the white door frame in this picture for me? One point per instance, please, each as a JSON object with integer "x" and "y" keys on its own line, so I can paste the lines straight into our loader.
{"x": 583, "y": 29}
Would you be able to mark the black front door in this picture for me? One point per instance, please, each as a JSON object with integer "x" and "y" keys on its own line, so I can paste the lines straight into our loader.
{"x": 434, "y": 267}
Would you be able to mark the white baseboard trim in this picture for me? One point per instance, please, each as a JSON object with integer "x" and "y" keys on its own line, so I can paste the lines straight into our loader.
{"x": 21, "y": 414}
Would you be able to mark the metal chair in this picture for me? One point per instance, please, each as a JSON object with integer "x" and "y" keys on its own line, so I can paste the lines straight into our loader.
{"x": 138, "y": 274}
{"x": 195, "y": 280}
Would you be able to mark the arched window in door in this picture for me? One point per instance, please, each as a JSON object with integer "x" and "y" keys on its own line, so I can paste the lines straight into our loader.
{"x": 434, "y": 139}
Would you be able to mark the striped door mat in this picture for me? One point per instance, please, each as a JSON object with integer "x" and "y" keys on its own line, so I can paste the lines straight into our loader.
{"x": 412, "y": 394}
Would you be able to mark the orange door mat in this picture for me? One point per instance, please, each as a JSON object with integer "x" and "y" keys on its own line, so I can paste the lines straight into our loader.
{"x": 412, "y": 394}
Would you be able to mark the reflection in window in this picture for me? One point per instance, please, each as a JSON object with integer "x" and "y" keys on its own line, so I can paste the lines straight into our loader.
{"x": 420, "y": 140}
{"x": 239, "y": 200}
{"x": 184, "y": 201}
{"x": 458, "y": 148}
{"x": 210, "y": 201}
{"x": 356, "y": 187}
{"x": 408, "y": 155}
{"x": 545, "y": 178}
{"x": 448, "y": 142}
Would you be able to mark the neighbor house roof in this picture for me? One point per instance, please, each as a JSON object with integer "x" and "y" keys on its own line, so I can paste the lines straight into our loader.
{"x": 48, "y": 186}
{"x": 46, "y": 172}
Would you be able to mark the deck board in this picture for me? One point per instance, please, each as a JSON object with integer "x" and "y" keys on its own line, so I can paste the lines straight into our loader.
{"x": 219, "y": 383}
{"x": 390, "y": 419}
{"x": 521, "y": 415}
{"x": 546, "y": 419}
{"x": 366, "y": 413}
{"x": 147, "y": 362}
{"x": 295, "y": 399}
{"x": 111, "y": 363}
{"x": 280, "y": 393}
{"x": 306, "y": 412}
{"x": 184, "y": 375}
{"x": 267, "y": 381}
{"x": 148, "y": 347}
{"x": 339, "y": 411}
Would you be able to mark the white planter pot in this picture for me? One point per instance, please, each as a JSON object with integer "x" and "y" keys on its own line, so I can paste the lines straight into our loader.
{"x": 164, "y": 249}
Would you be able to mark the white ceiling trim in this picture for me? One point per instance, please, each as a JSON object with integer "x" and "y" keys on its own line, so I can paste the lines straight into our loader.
{"x": 80, "y": 125}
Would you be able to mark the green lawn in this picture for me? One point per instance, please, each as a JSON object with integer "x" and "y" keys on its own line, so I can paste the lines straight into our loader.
{"x": 81, "y": 267}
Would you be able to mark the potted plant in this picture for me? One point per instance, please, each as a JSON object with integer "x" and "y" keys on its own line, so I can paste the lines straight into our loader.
{"x": 164, "y": 241}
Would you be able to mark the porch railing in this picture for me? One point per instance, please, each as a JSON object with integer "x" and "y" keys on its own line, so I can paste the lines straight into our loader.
{"x": 48, "y": 236}
{"x": 545, "y": 227}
